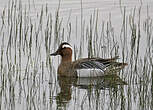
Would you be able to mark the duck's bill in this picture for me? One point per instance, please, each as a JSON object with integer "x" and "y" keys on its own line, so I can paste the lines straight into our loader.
{"x": 54, "y": 54}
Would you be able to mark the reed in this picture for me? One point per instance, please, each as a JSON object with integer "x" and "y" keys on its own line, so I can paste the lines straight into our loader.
{"x": 28, "y": 73}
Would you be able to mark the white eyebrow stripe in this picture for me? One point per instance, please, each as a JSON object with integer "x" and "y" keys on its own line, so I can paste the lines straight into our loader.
{"x": 67, "y": 46}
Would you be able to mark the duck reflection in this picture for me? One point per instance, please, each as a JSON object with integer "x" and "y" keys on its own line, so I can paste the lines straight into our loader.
{"x": 64, "y": 96}
{"x": 104, "y": 82}
{"x": 101, "y": 83}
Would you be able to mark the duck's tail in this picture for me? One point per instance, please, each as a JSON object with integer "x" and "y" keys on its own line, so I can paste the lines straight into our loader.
{"x": 118, "y": 64}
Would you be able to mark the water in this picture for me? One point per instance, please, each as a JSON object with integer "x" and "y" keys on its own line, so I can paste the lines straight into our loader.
{"x": 31, "y": 30}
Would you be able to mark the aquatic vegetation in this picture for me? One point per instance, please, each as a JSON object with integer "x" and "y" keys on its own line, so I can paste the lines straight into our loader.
{"x": 28, "y": 78}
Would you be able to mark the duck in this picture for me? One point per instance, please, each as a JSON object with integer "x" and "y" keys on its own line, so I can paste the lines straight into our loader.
{"x": 84, "y": 67}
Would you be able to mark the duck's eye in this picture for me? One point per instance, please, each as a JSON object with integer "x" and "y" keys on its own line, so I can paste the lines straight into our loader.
{"x": 63, "y": 47}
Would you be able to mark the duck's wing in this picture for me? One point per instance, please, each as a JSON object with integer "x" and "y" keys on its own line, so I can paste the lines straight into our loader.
{"x": 94, "y": 63}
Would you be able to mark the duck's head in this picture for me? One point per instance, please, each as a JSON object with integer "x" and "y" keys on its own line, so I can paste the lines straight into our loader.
{"x": 65, "y": 51}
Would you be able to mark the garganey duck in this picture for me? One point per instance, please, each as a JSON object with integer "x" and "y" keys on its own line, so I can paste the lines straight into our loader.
{"x": 85, "y": 67}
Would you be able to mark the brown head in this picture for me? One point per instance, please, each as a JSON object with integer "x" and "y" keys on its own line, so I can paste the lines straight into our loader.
{"x": 65, "y": 51}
